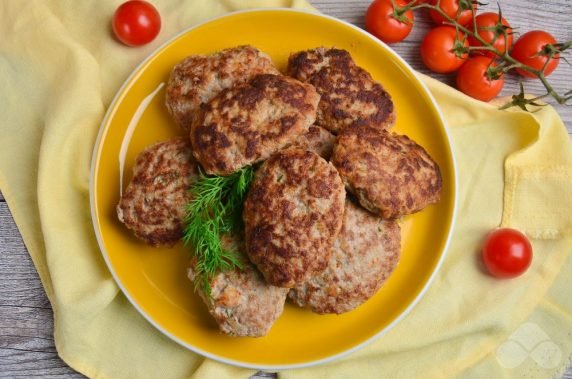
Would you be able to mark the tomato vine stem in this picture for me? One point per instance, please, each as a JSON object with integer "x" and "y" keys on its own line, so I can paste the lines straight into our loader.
{"x": 509, "y": 62}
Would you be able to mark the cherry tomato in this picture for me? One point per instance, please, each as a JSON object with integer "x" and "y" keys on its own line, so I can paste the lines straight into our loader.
{"x": 528, "y": 50}
{"x": 381, "y": 21}
{"x": 472, "y": 79}
{"x": 485, "y": 24}
{"x": 507, "y": 253}
{"x": 438, "y": 49}
{"x": 451, "y": 8}
{"x": 136, "y": 22}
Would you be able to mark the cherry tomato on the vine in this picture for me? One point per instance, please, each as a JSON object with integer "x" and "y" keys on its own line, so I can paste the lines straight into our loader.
{"x": 382, "y": 21}
{"x": 441, "y": 49}
{"x": 136, "y": 22}
{"x": 473, "y": 79}
{"x": 530, "y": 48}
{"x": 456, "y": 9}
{"x": 507, "y": 253}
{"x": 489, "y": 29}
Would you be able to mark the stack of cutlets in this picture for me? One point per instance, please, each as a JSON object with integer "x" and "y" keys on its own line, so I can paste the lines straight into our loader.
{"x": 312, "y": 135}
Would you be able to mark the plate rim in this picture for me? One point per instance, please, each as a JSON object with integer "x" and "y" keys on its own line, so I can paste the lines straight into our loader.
{"x": 93, "y": 209}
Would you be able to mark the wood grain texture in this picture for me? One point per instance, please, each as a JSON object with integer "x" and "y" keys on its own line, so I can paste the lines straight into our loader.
{"x": 552, "y": 16}
{"x": 26, "y": 324}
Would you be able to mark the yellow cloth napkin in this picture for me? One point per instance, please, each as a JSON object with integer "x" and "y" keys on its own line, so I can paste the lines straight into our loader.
{"x": 59, "y": 69}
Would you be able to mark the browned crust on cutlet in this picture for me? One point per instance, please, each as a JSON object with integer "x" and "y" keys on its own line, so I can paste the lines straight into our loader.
{"x": 365, "y": 254}
{"x": 242, "y": 303}
{"x": 349, "y": 95}
{"x": 153, "y": 204}
{"x": 248, "y": 123}
{"x": 199, "y": 78}
{"x": 318, "y": 140}
{"x": 292, "y": 215}
{"x": 390, "y": 174}
{"x": 305, "y": 64}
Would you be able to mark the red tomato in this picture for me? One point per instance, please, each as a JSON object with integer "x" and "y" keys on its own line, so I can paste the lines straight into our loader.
{"x": 485, "y": 23}
{"x": 136, "y": 23}
{"x": 459, "y": 10}
{"x": 438, "y": 49}
{"x": 507, "y": 253}
{"x": 528, "y": 50}
{"x": 381, "y": 21}
{"x": 472, "y": 79}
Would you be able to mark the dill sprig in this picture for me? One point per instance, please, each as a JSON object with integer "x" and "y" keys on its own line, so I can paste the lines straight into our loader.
{"x": 215, "y": 209}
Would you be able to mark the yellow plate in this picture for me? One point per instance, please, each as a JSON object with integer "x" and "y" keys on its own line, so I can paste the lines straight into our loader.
{"x": 155, "y": 280}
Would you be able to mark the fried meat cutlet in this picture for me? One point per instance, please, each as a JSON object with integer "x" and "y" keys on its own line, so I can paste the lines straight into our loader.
{"x": 292, "y": 215}
{"x": 318, "y": 140}
{"x": 349, "y": 95}
{"x": 365, "y": 253}
{"x": 199, "y": 78}
{"x": 390, "y": 174}
{"x": 242, "y": 303}
{"x": 153, "y": 204}
{"x": 248, "y": 123}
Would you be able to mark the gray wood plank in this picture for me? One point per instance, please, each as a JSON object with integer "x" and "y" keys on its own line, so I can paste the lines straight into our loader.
{"x": 26, "y": 321}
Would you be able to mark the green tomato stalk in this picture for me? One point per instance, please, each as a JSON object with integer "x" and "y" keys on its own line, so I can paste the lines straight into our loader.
{"x": 506, "y": 62}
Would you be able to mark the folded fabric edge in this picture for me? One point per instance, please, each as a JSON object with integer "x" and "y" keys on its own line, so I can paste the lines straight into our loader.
{"x": 75, "y": 364}
{"x": 45, "y": 279}
{"x": 527, "y": 165}
{"x": 29, "y": 243}
{"x": 517, "y": 168}
{"x": 512, "y": 174}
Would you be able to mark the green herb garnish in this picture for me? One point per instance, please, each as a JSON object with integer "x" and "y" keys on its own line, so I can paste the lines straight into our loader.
{"x": 216, "y": 209}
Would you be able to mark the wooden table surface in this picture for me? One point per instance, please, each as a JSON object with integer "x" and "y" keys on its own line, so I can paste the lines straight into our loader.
{"x": 26, "y": 326}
